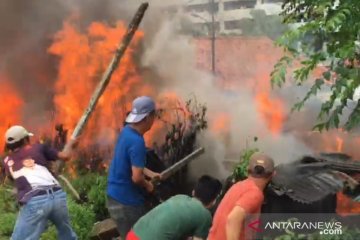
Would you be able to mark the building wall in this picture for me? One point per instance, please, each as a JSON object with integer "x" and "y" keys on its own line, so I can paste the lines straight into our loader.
{"x": 239, "y": 60}
{"x": 227, "y": 13}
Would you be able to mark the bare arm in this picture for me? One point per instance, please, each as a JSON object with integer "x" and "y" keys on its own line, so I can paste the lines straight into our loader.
{"x": 150, "y": 174}
{"x": 65, "y": 156}
{"x": 14, "y": 174}
{"x": 139, "y": 179}
{"x": 234, "y": 223}
{"x": 196, "y": 238}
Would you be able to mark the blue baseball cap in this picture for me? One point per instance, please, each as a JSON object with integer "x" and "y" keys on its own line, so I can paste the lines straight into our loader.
{"x": 141, "y": 107}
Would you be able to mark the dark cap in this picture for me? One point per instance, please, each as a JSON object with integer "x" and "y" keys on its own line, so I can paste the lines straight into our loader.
{"x": 261, "y": 165}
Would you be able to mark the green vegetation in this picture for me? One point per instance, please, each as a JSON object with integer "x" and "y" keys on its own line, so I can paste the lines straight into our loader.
{"x": 240, "y": 171}
{"x": 8, "y": 212}
{"x": 83, "y": 215}
{"x": 327, "y": 35}
{"x": 347, "y": 234}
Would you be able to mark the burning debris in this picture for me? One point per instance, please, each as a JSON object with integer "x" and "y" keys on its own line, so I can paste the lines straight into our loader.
{"x": 313, "y": 178}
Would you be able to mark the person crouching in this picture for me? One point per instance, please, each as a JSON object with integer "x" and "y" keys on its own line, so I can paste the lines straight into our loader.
{"x": 180, "y": 216}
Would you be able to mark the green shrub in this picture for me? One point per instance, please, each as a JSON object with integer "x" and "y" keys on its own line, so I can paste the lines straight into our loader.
{"x": 7, "y": 201}
{"x": 83, "y": 183}
{"x": 241, "y": 170}
{"x": 7, "y": 223}
{"x": 97, "y": 198}
{"x": 82, "y": 218}
{"x": 8, "y": 211}
{"x": 49, "y": 234}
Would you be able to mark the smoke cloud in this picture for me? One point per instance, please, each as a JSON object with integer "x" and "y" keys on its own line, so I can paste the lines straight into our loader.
{"x": 169, "y": 61}
{"x": 172, "y": 56}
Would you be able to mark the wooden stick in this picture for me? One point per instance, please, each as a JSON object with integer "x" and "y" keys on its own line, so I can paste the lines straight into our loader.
{"x": 133, "y": 26}
{"x": 71, "y": 187}
{"x": 180, "y": 164}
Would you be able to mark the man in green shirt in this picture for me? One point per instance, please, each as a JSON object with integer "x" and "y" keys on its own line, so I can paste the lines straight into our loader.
{"x": 180, "y": 216}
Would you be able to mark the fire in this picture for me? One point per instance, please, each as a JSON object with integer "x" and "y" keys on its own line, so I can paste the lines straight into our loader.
{"x": 84, "y": 56}
{"x": 271, "y": 111}
{"x": 339, "y": 144}
{"x": 11, "y": 108}
{"x": 221, "y": 124}
{"x": 345, "y": 205}
{"x": 172, "y": 110}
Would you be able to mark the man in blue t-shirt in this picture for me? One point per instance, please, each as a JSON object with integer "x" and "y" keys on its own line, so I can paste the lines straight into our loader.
{"x": 126, "y": 181}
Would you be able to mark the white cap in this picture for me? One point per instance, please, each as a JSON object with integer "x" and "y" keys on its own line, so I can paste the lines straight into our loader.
{"x": 16, "y": 133}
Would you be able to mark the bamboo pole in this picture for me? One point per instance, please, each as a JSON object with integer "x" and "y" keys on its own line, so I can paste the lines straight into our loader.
{"x": 133, "y": 26}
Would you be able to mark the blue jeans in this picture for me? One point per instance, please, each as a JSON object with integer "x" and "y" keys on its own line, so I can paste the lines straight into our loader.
{"x": 34, "y": 215}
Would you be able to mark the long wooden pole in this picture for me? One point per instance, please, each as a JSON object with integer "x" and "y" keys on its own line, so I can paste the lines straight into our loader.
{"x": 181, "y": 163}
{"x": 133, "y": 26}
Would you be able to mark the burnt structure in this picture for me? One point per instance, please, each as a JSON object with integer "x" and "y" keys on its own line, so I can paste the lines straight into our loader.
{"x": 306, "y": 190}
{"x": 313, "y": 178}
{"x": 310, "y": 184}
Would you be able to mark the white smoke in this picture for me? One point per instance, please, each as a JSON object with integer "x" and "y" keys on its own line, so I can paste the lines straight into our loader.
{"x": 173, "y": 57}
{"x": 167, "y": 52}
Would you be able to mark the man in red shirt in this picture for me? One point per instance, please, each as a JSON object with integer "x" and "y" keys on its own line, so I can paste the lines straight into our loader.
{"x": 242, "y": 200}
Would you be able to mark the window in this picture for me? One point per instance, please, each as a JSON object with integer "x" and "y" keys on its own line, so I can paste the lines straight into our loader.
{"x": 203, "y": 7}
{"x": 232, "y": 25}
{"x": 206, "y": 28}
{"x": 232, "y": 5}
{"x": 272, "y": 1}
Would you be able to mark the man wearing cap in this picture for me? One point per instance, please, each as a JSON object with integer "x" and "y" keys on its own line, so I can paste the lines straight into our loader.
{"x": 126, "y": 181}
{"x": 38, "y": 192}
{"x": 242, "y": 201}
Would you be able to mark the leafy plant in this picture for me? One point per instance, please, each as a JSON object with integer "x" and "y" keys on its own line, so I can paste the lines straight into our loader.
{"x": 84, "y": 183}
{"x": 241, "y": 170}
{"x": 347, "y": 234}
{"x": 82, "y": 218}
{"x": 8, "y": 211}
{"x": 327, "y": 35}
{"x": 7, "y": 222}
{"x": 49, "y": 234}
{"x": 97, "y": 198}
{"x": 7, "y": 201}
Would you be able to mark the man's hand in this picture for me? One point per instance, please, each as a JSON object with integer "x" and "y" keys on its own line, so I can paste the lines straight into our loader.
{"x": 68, "y": 149}
{"x": 149, "y": 187}
{"x": 157, "y": 177}
{"x": 10, "y": 163}
{"x": 139, "y": 178}
{"x": 154, "y": 176}
{"x": 73, "y": 143}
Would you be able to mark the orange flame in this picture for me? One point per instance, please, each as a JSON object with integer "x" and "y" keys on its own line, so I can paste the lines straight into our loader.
{"x": 11, "y": 108}
{"x": 221, "y": 123}
{"x": 174, "y": 111}
{"x": 339, "y": 144}
{"x": 271, "y": 111}
{"x": 345, "y": 205}
{"x": 83, "y": 59}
